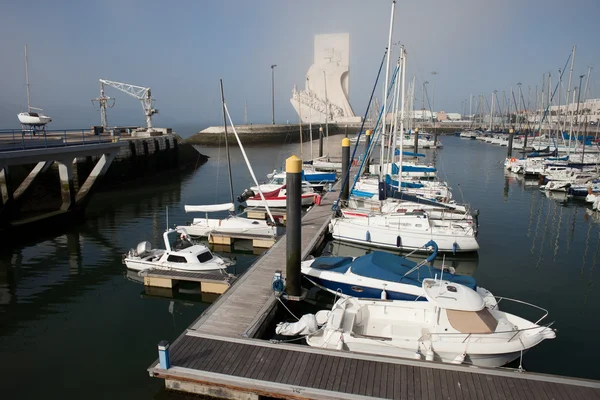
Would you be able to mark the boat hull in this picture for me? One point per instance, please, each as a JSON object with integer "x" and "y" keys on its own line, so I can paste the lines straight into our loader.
{"x": 371, "y": 235}
{"x": 278, "y": 202}
{"x": 141, "y": 265}
{"x": 247, "y": 227}
{"x": 33, "y": 120}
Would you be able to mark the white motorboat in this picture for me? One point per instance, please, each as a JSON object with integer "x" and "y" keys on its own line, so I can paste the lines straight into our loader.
{"x": 381, "y": 275}
{"x": 406, "y": 232}
{"x": 275, "y": 197}
{"x": 179, "y": 254}
{"x": 454, "y": 326}
{"x": 31, "y": 118}
{"x": 228, "y": 225}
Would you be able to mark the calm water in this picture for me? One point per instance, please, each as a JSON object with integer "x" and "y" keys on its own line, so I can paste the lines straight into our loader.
{"x": 72, "y": 324}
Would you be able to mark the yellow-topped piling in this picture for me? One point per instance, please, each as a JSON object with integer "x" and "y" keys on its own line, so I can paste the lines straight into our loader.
{"x": 345, "y": 142}
{"x": 293, "y": 165}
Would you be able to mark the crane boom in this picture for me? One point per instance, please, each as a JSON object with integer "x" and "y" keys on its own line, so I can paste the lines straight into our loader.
{"x": 141, "y": 93}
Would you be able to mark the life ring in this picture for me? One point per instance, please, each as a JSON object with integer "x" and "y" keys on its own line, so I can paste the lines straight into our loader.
{"x": 513, "y": 159}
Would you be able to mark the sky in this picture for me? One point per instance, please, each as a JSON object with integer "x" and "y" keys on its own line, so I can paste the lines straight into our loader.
{"x": 181, "y": 49}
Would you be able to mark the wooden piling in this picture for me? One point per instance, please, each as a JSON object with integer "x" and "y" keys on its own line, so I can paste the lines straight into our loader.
{"x": 367, "y": 145}
{"x": 345, "y": 168}
{"x": 293, "y": 168}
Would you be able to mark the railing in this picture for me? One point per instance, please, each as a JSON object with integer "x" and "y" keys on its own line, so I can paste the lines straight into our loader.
{"x": 26, "y": 139}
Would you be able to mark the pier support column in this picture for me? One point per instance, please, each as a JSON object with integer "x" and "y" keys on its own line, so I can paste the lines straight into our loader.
{"x": 345, "y": 168}
{"x": 368, "y": 136}
{"x": 98, "y": 171}
{"x": 416, "y": 140}
{"x": 293, "y": 168}
{"x": 6, "y": 187}
{"x": 41, "y": 166}
{"x": 511, "y": 134}
{"x": 7, "y": 196}
{"x": 320, "y": 141}
{"x": 67, "y": 188}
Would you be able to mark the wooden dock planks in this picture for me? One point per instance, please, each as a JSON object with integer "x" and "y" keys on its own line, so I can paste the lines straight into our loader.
{"x": 253, "y": 366}
{"x": 239, "y": 311}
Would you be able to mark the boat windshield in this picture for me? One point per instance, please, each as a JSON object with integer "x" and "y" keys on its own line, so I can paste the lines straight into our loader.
{"x": 277, "y": 181}
{"x": 178, "y": 241}
{"x": 481, "y": 321}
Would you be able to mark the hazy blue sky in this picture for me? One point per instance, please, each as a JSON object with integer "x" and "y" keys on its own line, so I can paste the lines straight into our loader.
{"x": 180, "y": 49}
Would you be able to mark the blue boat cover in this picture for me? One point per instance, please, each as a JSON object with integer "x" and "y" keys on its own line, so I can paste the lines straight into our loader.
{"x": 411, "y": 168}
{"x": 361, "y": 193}
{"x": 408, "y": 153}
{"x": 412, "y": 185}
{"x": 388, "y": 267}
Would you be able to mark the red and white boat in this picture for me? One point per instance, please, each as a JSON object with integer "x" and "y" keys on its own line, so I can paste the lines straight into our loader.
{"x": 277, "y": 198}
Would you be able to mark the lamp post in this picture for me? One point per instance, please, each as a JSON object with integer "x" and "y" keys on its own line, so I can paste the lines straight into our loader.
{"x": 273, "y": 93}
{"x": 434, "y": 73}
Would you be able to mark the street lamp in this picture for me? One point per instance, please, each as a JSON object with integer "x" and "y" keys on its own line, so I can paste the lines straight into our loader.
{"x": 273, "y": 93}
{"x": 433, "y": 93}
{"x": 423, "y": 101}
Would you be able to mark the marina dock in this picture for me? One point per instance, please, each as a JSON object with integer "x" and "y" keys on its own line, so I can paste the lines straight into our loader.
{"x": 209, "y": 283}
{"x": 219, "y": 354}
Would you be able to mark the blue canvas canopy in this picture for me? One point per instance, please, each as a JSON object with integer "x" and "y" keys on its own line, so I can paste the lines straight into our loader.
{"x": 388, "y": 267}
{"x": 408, "y": 153}
{"x": 411, "y": 168}
{"x": 413, "y": 185}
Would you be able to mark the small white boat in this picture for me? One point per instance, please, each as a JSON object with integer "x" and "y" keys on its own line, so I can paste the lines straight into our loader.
{"x": 179, "y": 254}
{"x": 453, "y": 326}
{"x": 230, "y": 224}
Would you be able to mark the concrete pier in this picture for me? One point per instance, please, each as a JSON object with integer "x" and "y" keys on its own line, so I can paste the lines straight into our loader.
{"x": 265, "y": 134}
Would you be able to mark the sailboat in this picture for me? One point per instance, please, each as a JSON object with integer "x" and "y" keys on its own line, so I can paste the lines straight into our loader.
{"x": 31, "y": 118}
{"x": 232, "y": 223}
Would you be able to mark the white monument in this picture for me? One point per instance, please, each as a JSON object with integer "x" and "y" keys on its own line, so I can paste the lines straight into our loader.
{"x": 325, "y": 97}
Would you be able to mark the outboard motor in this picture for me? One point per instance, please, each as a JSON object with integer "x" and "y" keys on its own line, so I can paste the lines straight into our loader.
{"x": 143, "y": 248}
{"x": 246, "y": 194}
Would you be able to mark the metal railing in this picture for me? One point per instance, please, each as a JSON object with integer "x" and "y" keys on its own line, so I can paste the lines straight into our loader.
{"x": 27, "y": 139}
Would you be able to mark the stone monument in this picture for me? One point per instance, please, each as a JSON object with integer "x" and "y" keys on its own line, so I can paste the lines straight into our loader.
{"x": 325, "y": 96}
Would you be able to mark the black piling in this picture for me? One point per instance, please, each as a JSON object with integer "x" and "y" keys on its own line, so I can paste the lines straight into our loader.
{"x": 367, "y": 145}
{"x": 417, "y": 140}
{"x": 293, "y": 168}
{"x": 345, "y": 168}
{"x": 320, "y": 141}
{"x": 511, "y": 134}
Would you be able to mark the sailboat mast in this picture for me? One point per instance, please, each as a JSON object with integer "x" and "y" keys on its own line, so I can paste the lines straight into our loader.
{"x": 27, "y": 80}
{"x": 492, "y": 112}
{"x": 385, "y": 91}
{"x": 227, "y": 143}
{"x": 402, "y": 97}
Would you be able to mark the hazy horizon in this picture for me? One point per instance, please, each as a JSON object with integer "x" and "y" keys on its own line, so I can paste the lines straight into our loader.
{"x": 181, "y": 51}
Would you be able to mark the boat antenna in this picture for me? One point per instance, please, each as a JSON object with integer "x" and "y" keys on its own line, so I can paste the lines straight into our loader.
{"x": 167, "y": 207}
{"x": 226, "y": 143}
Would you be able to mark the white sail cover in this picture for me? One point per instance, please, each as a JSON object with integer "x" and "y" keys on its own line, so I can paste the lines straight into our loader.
{"x": 210, "y": 208}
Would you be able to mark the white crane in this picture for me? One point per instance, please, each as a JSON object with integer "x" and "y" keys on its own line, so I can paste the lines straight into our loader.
{"x": 140, "y": 93}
